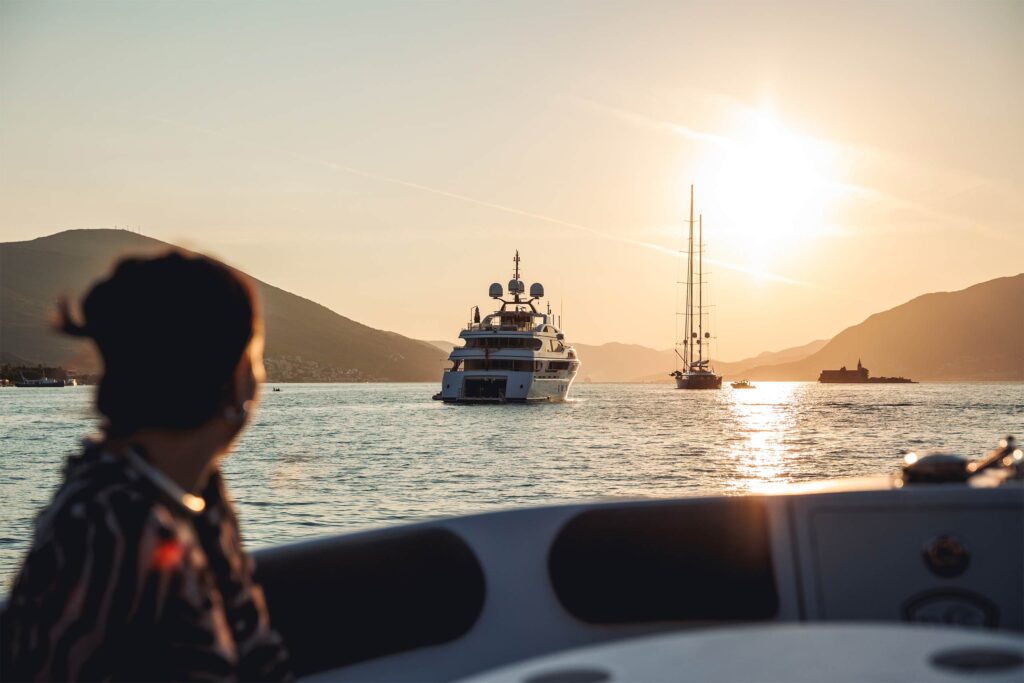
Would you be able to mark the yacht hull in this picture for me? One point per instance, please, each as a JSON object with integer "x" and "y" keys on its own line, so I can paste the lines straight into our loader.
{"x": 504, "y": 387}
{"x": 698, "y": 380}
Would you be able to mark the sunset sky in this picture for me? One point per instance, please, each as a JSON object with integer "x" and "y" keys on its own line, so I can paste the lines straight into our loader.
{"x": 386, "y": 159}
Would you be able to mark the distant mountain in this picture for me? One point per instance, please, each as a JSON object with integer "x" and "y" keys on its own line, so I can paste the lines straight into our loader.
{"x": 615, "y": 362}
{"x": 735, "y": 370}
{"x": 445, "y": 346}
{"x": 972, "y": 334}
{"x": 10, "y": 359}
{"x": 305, "y": 341}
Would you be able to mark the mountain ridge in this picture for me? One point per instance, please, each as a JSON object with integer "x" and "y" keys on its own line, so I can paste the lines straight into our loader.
{"x": 971, "y": 334}
{"x": 621, "y": 362}
{"x": 968, "y": 334}
{"x": 306, "y": 341}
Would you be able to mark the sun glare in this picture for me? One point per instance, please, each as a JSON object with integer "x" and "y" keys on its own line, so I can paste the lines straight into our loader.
{"x": 770, "y": 189}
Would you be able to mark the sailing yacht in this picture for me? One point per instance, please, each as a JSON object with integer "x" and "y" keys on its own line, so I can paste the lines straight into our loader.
{"x": 697, "y": 372}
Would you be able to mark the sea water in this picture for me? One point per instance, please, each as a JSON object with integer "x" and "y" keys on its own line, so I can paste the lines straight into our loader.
{"x": 326, "y": 458}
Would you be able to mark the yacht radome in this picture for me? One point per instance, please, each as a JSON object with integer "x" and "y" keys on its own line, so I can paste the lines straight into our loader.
{"x": 514, "y": 355}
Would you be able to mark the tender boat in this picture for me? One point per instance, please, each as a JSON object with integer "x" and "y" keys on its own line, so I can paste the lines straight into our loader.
{"x": 909, "y": 577}
{"x": 742, "y": 384}
{"x": 697, "y": 372}
{"x": 514, "y": 355}
{"x": 45, "y": 382}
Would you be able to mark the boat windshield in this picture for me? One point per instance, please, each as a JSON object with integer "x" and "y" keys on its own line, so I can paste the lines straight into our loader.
{"x": 507, "y": 321}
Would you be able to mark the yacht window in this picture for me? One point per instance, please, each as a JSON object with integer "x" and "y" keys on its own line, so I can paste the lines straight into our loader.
{"x": 499, "y": 364}
{"x": 504, "y": 343}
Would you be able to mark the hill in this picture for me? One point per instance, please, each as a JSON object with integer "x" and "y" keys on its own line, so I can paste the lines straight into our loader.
{"x": 305, "y": 341}
{"x": 971, "y": 334}
{"x": 615, "y": 362}
{"x": 445, "y": 346}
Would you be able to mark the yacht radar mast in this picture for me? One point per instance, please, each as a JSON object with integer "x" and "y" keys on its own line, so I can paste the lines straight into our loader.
{"x": 515, "y": 277}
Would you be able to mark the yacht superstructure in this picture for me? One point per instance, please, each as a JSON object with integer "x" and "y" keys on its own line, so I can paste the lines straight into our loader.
{"x": 514, "y": 355}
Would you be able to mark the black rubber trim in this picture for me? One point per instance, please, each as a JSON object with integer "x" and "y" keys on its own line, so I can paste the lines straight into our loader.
{"x": 341, "y": 601}
{"x": 699, "y": 560}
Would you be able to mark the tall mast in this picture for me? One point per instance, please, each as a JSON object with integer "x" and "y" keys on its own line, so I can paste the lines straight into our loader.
{"x": 689, "y": 290}
{"x": 700, "y": 289}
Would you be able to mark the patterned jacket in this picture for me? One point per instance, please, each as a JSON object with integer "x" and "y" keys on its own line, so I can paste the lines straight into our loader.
{"x": 129, "y": 580}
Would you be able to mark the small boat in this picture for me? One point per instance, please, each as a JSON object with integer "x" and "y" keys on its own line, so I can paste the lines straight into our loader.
{"x": 742, "y": 384}
{"x": 276, "y": 389}
{"x": 44, "y": 383}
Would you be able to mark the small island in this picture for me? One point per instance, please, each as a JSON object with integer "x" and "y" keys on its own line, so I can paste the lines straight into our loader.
{"x": 858, "y": 376}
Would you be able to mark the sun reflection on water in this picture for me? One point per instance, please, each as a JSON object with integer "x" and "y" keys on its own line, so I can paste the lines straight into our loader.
{"x": 763, "y": 417}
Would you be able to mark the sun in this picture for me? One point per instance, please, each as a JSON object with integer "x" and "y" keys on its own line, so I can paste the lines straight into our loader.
{"x": 769, "y": 189}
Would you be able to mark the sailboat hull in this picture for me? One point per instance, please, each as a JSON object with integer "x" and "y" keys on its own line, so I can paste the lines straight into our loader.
{"x": 698, "y": 380}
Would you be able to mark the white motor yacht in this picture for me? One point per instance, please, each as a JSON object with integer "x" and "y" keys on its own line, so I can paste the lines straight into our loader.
{"x": 514, "y": 355}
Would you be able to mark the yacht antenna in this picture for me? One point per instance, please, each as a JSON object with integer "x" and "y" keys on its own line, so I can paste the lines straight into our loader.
{"x": 516, "y": 276}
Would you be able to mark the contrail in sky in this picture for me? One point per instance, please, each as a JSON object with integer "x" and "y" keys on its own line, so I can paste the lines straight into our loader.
{"x": 863, "y": 191}
{"x": 656, "y": 124}
{"x": 480, "y": 202}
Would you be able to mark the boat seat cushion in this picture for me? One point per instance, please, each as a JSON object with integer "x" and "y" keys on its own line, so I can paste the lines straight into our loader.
{"x": 344, "y": 600}
{"x": 701, "y": 560}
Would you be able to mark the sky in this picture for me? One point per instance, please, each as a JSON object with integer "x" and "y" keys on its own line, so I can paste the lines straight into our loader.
{"x": 387, "y": 159}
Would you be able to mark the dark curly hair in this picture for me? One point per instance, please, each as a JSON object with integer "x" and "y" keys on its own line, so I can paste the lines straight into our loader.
{"x": 171, "y": 331}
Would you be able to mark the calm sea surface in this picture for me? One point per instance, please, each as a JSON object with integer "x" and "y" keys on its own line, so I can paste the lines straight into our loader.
{"x": 321, "y": 458}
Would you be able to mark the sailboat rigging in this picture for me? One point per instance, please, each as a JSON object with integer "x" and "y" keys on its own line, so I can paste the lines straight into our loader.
{"x": 697, "y": 372}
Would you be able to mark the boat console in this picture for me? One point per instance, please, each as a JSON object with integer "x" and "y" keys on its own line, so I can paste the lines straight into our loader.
{"x": 879, "y": 564}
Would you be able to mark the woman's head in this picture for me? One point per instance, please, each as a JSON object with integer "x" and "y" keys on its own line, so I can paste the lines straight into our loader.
{"x": 181, "y": 341}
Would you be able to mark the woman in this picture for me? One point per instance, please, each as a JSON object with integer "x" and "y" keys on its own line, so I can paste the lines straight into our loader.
{"x": 137, "y": 570}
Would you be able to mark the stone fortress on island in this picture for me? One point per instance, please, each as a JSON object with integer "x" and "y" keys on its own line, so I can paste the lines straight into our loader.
{"x": 858, "y": 376}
